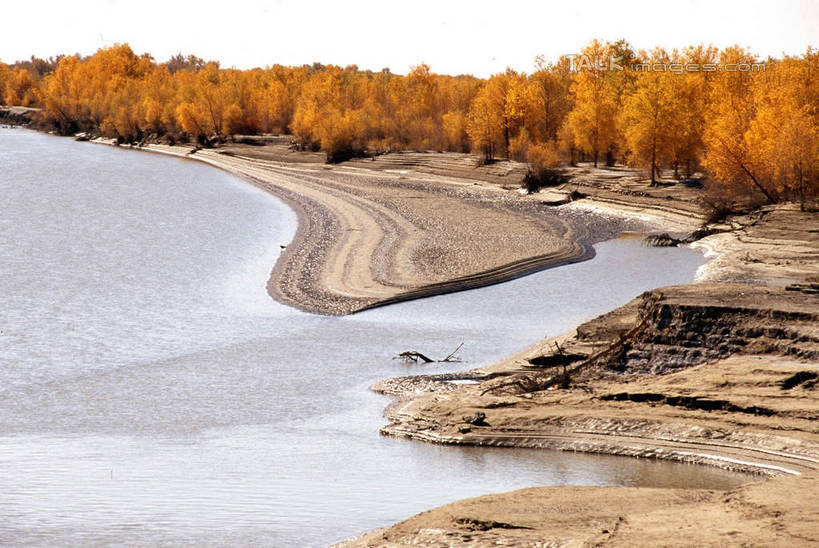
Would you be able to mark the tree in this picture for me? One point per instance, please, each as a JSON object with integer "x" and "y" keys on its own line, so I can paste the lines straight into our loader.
{"x": 21, "y": 88}
{"x": 593, "y": 117}
{"x": 689, "y": 97}
{"x": 782, "y": 140}
{"x": 647, "y": 118}
{"x": 5, "y": 75}
{"x": 485, "y": 125}
{"x": 727, "y": 154}
{"x": 550, "y": 98}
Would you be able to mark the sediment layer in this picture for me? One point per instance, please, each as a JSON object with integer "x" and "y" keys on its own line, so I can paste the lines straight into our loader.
{"x": 719, "y": 374}
{"x": 692, "y": 373}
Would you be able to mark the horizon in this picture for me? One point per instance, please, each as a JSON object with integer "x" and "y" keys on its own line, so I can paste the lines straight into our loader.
{"x": 368, "y": 38}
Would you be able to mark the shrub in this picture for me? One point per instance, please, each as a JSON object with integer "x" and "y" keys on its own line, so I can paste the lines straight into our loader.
{"x": 544, "y": 167}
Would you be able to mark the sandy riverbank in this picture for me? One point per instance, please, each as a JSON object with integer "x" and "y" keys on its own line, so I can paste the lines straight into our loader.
{"x": 693, "y": 373}
{"x": 780, "y": 512}
{"x": 370, "y": 236}
{"x": 704, "y": 385}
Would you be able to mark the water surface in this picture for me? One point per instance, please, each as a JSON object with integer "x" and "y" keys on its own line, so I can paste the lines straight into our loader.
{"x": 152, "y": 393}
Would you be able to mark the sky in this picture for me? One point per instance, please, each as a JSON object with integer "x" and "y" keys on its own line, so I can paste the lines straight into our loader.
{"x": 453, "y": 37}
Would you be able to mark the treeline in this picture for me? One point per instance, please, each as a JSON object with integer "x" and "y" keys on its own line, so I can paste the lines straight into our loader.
{"x": 751, "y": 124}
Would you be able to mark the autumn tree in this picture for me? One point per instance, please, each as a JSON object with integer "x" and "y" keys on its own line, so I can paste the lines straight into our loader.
{"x": 782, "y": 141}
{"x": 63, "y": 95}
{"x": 185, "y": 62}
{"x": 38, "y": 67}
{"x": 647, "y": 117}
{"x": 689, "y": 99}
{"x": 329, "y": 114}
{"x": 753, "y": 127}
{"x": 593, "y": 118}
{"x": 5, "y": 75}
{"x": 550, "y": 98}
{"x": 727, "y": 155}
{"x": 458, "y": 93}
{"x": 497, "y": 113}
{"x": 485, "y": 125}
{"x": 20, "y": 88}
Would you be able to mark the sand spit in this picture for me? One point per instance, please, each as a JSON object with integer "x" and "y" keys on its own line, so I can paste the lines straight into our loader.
{"x": 370, "y": 236}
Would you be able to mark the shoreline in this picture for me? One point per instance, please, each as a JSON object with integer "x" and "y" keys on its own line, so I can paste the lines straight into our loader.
{"x": 680, "y": 221}
{"x": 606, "y": 432}
{"x": 323, "y": 270}
{"x": 713, "y": 325}
{"x": 720, "y": 401}
{"x": 749, "y": 408}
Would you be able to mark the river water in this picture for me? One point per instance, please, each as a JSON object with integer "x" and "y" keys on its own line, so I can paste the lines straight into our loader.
{"x": 152, "y": 393}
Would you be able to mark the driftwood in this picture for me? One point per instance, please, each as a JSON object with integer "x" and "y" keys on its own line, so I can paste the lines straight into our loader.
{"x": 415, "y": 357}
{"x": 564, "y": 381}
{"x": 661, "y": 240}
{"x": 451, "y": 357}
{"x": 412, "y": 356}
{"x": 478, "y": 419}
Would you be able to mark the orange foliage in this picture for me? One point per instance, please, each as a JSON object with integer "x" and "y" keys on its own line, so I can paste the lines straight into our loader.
{"x": 752, "y": 128}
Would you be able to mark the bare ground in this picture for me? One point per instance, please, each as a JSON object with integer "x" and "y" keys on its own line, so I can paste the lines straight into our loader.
{"x": 781, "y": 512}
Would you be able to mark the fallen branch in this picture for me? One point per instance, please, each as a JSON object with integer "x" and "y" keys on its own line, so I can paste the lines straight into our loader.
{"x": 412, "y": 356}
{"x": 415, "y": 357}
{"x": 451, "y": 357}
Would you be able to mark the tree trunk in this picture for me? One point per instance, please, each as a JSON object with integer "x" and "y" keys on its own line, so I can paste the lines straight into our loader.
{"x": 758, "y": 184}
{"x": 506, "y": 135}
{"x": 653, "y": 159}
{"x": 801, "y": 192}
{"x": 610, "y": 159}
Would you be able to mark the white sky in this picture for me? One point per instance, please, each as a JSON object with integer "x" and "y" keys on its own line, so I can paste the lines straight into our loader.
{"x": 453, "y": 37}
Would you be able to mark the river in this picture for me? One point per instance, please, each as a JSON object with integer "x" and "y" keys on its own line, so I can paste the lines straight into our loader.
{"x": 151, "y": 392}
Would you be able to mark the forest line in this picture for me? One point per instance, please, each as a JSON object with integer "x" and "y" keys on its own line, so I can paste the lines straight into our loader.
{"x": 751, "y": 125}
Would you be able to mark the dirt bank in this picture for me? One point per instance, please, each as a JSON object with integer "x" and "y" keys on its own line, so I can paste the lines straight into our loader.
{"x": 780, "y": 512}
{"x": 723, "y": 374}
{"x": 18, "y": 116}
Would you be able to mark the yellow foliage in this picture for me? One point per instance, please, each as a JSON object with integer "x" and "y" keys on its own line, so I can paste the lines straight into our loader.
{"x": 648, "y": 116}
{"x": 5, "y": 74}
{"x": 593, "y": 118}
{"x": 544, "y": 156}
{"x": 454, "y": 130}
{"x": 189, "y": 120}
{"x": 485, "y": 124}
{"x": 751, "y": 128}
{"x": 234, "y": 119}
